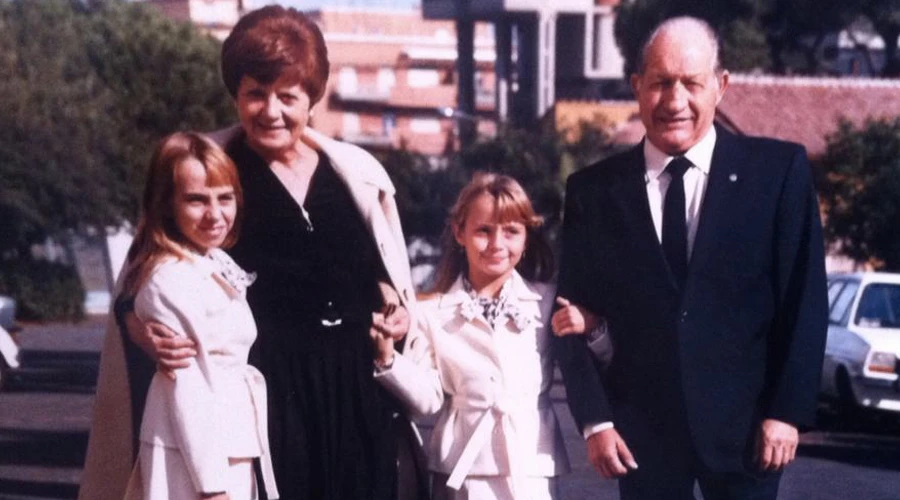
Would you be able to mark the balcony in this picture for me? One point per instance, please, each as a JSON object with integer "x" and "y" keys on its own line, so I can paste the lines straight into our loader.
{"x": 369, "y": 140}
{"x": 363, "y": 93}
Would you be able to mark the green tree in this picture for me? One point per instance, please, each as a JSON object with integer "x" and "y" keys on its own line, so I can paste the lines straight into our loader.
{"x": 740, "y": 23}
{"x": 424, "y": 193}
{"x": 54, "y": 130}
{"x": 885, "y": 18}
{"x": 860, "y": 192}
{"x": 781, "y": 36}
{"x": 164, "y": 76}
{"x": 86, "y": 90}
{"x": 540, "y": 159}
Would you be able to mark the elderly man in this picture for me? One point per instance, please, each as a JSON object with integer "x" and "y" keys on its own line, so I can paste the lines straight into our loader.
{"x": 703, "y": 250}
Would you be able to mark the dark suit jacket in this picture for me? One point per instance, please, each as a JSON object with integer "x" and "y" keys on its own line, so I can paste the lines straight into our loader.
{"x": 742, "y": 342}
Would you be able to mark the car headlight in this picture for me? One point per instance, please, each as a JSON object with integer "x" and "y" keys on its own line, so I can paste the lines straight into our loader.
{"x": 883, "y": 362}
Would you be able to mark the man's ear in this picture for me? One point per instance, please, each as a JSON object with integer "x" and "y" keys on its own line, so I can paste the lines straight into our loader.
{"x": 635, "y": 83}
{"x": 723, "y": 85}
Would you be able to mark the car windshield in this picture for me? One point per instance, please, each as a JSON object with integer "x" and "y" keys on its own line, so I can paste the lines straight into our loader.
{"x": 879, "y": 306}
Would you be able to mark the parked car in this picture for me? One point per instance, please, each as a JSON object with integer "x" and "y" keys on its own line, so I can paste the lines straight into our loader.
{"x": 9, "y": 351}
{"x": 861, "y": 354}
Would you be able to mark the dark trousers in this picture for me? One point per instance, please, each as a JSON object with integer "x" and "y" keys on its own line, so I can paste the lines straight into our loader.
{"x": 669, "y": 467}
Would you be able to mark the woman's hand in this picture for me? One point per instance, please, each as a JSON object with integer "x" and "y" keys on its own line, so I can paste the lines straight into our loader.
{"x": 168, "y": 350}
{"x": 572, "y": 319}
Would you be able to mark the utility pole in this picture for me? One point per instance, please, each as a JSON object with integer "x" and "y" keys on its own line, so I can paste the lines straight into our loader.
{"x": 465, "y": 65}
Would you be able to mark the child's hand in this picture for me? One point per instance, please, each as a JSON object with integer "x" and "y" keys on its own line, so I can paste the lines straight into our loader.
{"x": 572, "y": 319}
{"x": 396, "y": 321}
{"x": 382, "y": 341}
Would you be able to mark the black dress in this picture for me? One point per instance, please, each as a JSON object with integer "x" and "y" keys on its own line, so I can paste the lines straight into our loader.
{"x": 331, "y": 426}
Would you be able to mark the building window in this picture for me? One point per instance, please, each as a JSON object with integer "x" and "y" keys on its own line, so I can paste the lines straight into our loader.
{"x": 601, "y": 56}
{"x": 386, "y": 79}
{"x": 425, "y": 126}
{"x": 420, "y": 78}
{"x": 388, "y": 123}
{"x": 351, "y": 125}
{"x": 348, "y": 82}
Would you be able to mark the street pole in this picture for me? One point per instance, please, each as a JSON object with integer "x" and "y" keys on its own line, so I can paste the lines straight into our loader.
{"x": 465, "y": 51}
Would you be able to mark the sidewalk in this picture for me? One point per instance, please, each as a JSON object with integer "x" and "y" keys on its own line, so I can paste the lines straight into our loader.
{"x": 50, "y": 403}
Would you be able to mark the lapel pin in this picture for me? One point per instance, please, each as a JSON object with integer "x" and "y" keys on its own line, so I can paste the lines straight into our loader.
{"x": 732, "y": 177}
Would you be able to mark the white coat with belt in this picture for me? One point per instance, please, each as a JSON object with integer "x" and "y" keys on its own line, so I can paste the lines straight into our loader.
{"x": 496, "y": 417}
{"x": 109, "y": 456}
{"x": 216, "y": 408}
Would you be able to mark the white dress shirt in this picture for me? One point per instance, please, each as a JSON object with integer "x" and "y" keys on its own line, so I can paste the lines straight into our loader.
{"x": 695, "y": 181}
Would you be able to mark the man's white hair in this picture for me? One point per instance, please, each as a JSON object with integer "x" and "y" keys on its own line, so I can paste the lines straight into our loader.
{"x": 676, "y": 24}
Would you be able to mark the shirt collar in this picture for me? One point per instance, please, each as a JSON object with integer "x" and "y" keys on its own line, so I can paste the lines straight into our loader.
{"x": 518, "y": 290}
{"x": 700, "y": 155}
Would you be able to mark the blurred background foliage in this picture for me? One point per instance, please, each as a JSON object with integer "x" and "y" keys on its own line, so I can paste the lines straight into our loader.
{"x": 86, "y": 90}
{"x": 770, "y": 36}
{"x": 88, "y": 87}
{"x": 859, "y": 188}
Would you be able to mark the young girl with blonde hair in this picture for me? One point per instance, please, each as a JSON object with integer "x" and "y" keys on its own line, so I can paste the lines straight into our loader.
{"x": 487, "y": 344}
{"x": 200, "y": 432}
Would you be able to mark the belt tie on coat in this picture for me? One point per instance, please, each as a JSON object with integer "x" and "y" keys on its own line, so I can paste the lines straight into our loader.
{"x": 257, "y": 385}
{"x": 494, "y": 414}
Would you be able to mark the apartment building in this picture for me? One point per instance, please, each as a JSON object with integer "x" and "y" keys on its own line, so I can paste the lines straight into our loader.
{"x": 394, "y": 80}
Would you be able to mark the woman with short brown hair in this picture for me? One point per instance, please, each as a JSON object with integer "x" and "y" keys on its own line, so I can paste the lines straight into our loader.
{"x": 322, "y": 234}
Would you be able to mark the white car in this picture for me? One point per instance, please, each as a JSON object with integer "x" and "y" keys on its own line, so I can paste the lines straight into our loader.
{"x": 9, "y": 351}
{"x": 861, "y": 355}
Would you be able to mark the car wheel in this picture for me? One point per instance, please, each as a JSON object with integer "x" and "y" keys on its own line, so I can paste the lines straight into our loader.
{"x": 4, "y": 374}
{"x": 846, "y": 401}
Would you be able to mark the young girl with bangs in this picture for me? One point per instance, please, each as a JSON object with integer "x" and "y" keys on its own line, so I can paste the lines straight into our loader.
{"x": 487, "y": 344}
{"x": 199, "y": 433}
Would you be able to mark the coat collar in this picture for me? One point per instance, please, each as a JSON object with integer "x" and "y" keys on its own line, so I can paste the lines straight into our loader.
{"x": 351, "y": 162}
{"x": 519, "y": 291}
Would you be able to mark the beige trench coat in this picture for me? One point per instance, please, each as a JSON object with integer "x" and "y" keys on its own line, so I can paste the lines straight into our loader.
{"x": 109, "y": 455}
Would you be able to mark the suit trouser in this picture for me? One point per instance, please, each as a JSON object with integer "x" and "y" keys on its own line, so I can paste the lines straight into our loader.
{"x": 669, "y": 467}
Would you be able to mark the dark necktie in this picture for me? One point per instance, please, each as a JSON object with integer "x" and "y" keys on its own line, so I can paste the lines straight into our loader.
{"x": 674, "y": 227}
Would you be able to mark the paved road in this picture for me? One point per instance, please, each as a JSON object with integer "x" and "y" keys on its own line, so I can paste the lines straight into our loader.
{"x": 44, "y": 425}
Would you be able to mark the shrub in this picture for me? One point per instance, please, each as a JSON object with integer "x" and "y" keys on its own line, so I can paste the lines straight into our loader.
{"x": 43, "y": 290}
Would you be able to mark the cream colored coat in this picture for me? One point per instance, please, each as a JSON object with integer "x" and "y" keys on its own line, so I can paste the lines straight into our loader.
{"x": 109, "y": 456}
{"x": 216, "y": 408}
{"x": 496, "y": 418}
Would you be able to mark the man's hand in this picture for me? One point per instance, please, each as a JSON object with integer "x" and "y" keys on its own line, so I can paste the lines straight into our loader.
{"x": 609, "y": 454}
{"x": 572, "y": 319}
{"x": 776, "y": 444}
{"x": 170, "y": 351}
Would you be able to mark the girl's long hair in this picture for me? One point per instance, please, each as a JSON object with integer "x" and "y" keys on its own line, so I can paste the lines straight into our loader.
{"x": 157, "y": 234}
{"x": 512, "y": 205}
